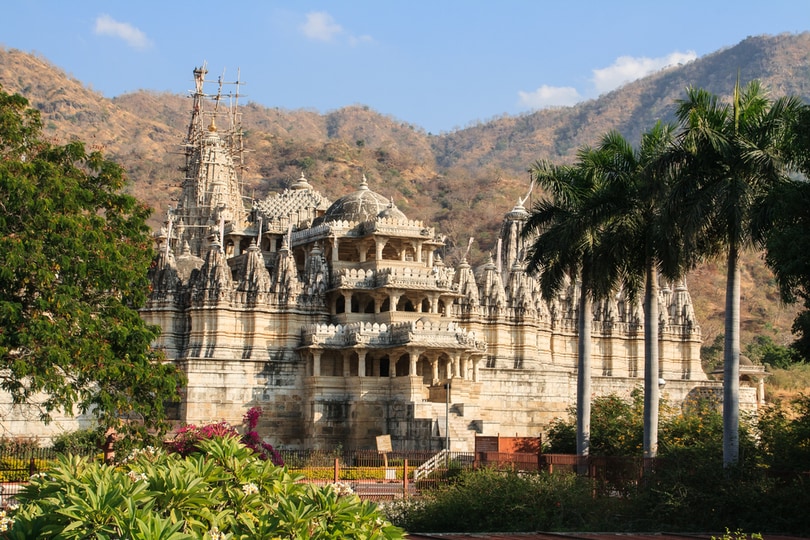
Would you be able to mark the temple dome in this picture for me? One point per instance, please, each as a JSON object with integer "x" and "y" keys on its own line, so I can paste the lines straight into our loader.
{"x": 362, "y": 205}
{"x": 392, "y": 212}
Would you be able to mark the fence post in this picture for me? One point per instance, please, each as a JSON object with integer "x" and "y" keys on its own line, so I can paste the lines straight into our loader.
{"x": 337, "y": 470}
{"x": 405, "y": 479}
{"x": 32, "y": 467}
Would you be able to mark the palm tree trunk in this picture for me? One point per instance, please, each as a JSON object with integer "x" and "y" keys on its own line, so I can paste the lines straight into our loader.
{"x": 584, "y": 379}
{"x": 731, "y": 362}
{"x": 651, "y": 389}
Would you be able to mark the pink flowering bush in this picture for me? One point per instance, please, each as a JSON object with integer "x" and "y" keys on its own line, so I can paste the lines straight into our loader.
{"x": 187, "y": 439}
{"x": 252, "y": 440}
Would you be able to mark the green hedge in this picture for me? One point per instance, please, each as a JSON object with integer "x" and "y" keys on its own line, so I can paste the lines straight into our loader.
{"x": 14, "y": 469}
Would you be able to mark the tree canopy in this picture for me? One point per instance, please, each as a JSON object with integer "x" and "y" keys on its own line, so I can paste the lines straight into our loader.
{"x": 74, "y": 255}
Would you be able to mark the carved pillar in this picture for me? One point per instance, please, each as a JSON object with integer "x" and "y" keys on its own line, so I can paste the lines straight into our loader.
{"x": 463, "y": 361}
{"x": 418, "y": 249}
{"x": 361, "y": 363}
{"x": 413, "y": 356}
{"x": 316, "y": 363}
{"x": 335, "y": 249}
{"x": 379, "y": 244}
{"x": 434, "y": 364}
{"x": 456, "y": 365}
{"x": 475, "y": 362}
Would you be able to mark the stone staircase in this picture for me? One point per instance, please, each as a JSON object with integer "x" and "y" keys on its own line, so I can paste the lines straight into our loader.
{"x": 462, "y": 423}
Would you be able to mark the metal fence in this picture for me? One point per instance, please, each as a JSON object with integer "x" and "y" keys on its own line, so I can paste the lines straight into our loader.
{"x": 374, "y": 475}
{"x": 16, "y": 467}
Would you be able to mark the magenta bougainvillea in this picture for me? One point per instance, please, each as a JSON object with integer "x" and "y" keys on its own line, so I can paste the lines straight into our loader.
{"x": 252, "y": 440}
{"x": 187, "y": 438}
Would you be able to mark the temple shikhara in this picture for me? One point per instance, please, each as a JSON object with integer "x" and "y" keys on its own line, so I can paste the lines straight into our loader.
{"x": 342, "y": 322}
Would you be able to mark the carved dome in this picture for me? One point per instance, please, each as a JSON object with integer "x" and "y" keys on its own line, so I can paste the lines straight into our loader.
{"x": 392, "y": 212}
{"x": 362, "y": 205}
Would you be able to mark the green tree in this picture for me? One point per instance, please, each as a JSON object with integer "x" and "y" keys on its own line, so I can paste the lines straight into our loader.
{"x": 565, "y": 230}
{"x": 727, "y": 158}
{"x": 784, "y": 224}
{"x": 74, "y": 253}
{"x": 616, "y": 427}
{"x": 635, "y": 188}
{"x": 763, "y": 350}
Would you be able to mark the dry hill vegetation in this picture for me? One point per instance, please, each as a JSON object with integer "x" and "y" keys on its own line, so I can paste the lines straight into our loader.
{"x": 461, "y": 182}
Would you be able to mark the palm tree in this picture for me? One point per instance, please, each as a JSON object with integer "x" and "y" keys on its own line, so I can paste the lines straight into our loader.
{"x": 637, "y": 232}
{"x": 727, "y": 157}
{"x": 564, "y": 229}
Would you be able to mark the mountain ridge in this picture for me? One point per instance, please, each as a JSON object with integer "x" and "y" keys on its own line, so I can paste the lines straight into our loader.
{"x": 462, "y": 182}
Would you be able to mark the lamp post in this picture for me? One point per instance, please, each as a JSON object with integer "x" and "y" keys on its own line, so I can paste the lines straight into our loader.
{"x": 447, "y": 416}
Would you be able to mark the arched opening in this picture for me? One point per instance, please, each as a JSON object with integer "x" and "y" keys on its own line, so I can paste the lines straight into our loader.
{"x": 405, "y": 304}
{"x": 331, "y": 364}
{"x": 425, "y": 306}
{"x": 424, "y": 369}
{"x": 347, "y": 253}
{"x": 355, "y": 304}
{"x": 385, "y": 366}
{"x": 442, "y": 307}
{"x": 403, "y": 365}
{"x": 390, "y": 253}
{"x": 340, "y": 305}
{"x": 386, "y": 305}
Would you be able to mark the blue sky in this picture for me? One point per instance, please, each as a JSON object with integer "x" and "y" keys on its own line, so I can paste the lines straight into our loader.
{"x": 439, "y": 65}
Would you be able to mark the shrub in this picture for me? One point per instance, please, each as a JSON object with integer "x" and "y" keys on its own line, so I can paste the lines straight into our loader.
{"x": 188, "y": 438}
{"x": 224, "y": 491}
{"x": 493, "y": 500}
{"x": 82, "y": 441}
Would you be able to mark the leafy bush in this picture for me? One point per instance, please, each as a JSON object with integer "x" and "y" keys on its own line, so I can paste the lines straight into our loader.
{"x": 616, "y": 427}
{"x": 763, "y": 350}
{"x": 224, "y": 491}
{"x": 18, "y": 445}
{"x": 82, "y": 441}
{"x": 188, "y": 438}
{"x": 493, "y": 500}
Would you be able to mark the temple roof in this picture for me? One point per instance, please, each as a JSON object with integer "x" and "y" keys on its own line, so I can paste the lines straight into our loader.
{"x": 362, "y": 205}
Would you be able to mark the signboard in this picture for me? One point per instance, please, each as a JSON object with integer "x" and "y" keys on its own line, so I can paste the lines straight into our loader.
{"x": 384, "y": 443}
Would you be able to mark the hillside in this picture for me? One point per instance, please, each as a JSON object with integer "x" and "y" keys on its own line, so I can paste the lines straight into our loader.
{"x": 462, "y": 182}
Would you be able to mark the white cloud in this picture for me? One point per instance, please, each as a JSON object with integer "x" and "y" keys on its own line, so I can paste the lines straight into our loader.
{"x": 107, "y": 26}
{"x": 549, "y": 96}
{"x": 627, "y": 69}
{"x": 320, "y": 26}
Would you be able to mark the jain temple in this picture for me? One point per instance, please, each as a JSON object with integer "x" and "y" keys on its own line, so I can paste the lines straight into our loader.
{"x": 342, "y": 322}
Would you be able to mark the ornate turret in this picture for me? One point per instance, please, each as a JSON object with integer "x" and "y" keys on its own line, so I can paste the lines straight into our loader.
{"x": 513, "y": 245}
{"x": 213, "y": 283}
{"x": 211, "y": 195}
{"x": 467, "y": 287}
{"x": 255, "y": 282}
